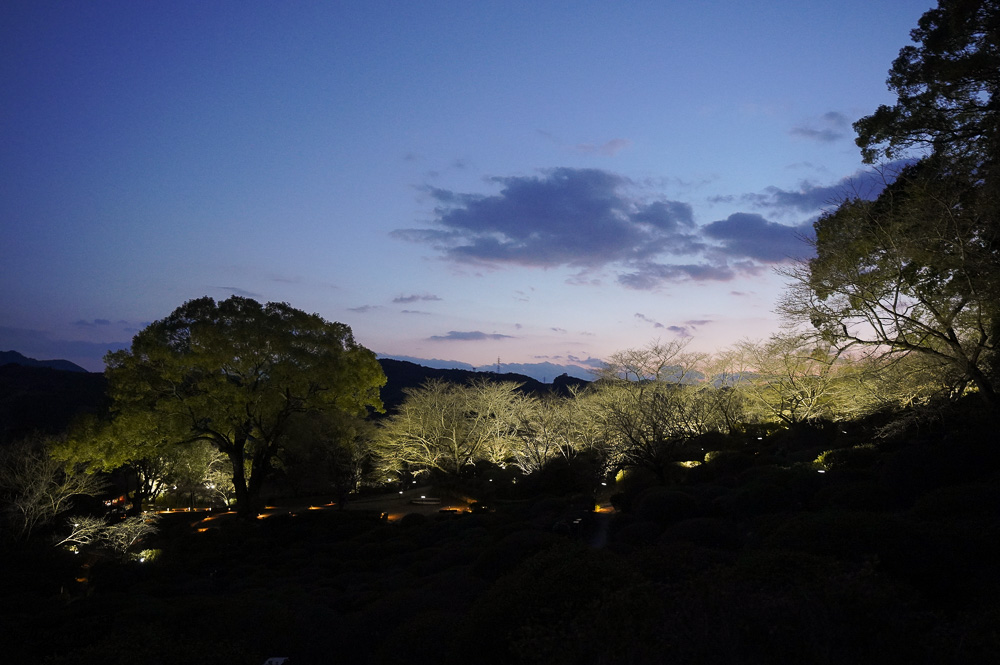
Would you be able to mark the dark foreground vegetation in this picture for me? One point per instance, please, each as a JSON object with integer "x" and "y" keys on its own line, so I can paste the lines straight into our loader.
{"x": 755, "y": 556}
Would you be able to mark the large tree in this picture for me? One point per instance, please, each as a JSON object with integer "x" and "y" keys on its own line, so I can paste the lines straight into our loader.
{"x": 913, "y": 271}
{"x": 234, "y": 373}
{"x": 918, "y": 269}
{"x": 948, "y": 90}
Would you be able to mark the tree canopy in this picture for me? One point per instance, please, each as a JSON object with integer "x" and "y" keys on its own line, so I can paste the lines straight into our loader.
{"x": 918, "y": 268}
{"x": 947, "y": 87}
{"x": 913, "y": 271}
{"x": 234, "y": 373}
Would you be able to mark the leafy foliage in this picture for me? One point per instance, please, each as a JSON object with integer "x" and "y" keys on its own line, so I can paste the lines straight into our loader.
{"x": 234, "y": 374}
{"x": 947, "y": 88}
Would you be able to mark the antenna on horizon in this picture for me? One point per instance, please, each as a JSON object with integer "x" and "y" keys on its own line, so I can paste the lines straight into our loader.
{"x": 498, "y": 364}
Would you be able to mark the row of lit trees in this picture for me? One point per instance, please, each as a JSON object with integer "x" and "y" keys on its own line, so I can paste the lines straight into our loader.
{"x": 644, "y": 408}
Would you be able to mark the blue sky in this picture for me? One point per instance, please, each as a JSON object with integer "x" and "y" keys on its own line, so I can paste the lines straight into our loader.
{"x": 543, "y": 182}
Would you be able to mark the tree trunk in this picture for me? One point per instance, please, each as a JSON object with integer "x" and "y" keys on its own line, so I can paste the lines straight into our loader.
{"x": 986, "y": 390}
{"x": 244, "y": 507}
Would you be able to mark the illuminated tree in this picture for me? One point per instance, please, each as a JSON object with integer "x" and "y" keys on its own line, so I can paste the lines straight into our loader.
{"x": 136, "y": 441}
{"x": 198, "y": 470}
{"x": 35, "y": 488}
{"x": 497, "y": 411}
{"x": 120, "y": 537}
{"x": 791, "y": 379}
{"x": 916, "y": 270}
{"x": 123, "y": 536}
{"x": 446, "y": 426}
{"x": 84, "y": 530}
{"x": 545, "y": 431}
{"x": 429, "y": 431}
{"x": 234, "y": 373}
{"x": 650, "y": 407}
{"x": 927, "y": 252}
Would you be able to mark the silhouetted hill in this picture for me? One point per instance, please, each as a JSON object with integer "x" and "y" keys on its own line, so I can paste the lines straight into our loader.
{"x": 15, "y": 358}
{"x": 46, "y": 400}
{"x": 401, "y": 374}
{"x": 36, "y": 397}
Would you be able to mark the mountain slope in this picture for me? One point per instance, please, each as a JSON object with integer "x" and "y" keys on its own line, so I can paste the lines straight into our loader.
{"x": 15, "y": 358}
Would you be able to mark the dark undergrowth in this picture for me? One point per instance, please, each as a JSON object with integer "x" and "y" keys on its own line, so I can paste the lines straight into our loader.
{"x": 887, "y": 556}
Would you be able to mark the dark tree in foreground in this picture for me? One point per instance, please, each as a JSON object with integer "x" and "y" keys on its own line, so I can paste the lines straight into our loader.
{"x": 947, "y": 87}
{"x": 234, "y": 373}
{"x": 918, "y": 269}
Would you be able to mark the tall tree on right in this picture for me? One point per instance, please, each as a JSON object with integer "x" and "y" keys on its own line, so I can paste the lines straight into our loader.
{"x": 947, "y": 87}
{"x": 918, "y": 269}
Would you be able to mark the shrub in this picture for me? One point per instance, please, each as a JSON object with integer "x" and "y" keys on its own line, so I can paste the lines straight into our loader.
{"x": 857, "y": 457}
{"x": 719, "y": 463}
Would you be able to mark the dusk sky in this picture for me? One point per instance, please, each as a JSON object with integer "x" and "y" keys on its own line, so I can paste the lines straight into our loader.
{"x": 543, "y": 182}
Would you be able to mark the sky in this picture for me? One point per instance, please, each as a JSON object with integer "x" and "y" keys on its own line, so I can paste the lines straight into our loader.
{"x": 538, "y": 184}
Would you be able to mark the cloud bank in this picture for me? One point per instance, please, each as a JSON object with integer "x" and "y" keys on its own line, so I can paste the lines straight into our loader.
{"x": 591, "y": 220}
{"x": 470, "y": 336}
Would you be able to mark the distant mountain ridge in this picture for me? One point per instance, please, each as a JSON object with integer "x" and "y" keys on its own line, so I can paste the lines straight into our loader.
{"x": 46, "y": 395}
{"x": 15, "y": 358}
{"x": 402, "y": 374}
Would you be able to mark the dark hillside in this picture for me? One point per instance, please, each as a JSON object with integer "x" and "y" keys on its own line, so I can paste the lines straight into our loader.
{"x": 42, "y": 399}
{"x": 402, "y": 375}
{"x": 15, "y": 358}
{"x": 35, "y": 397}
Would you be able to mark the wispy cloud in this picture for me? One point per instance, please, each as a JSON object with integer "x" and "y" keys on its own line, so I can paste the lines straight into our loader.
{"x": 646, "y": 319}
{"x": 607, "y": 149}
{"x": 363, "y": 309}
{"x": 649, "y": 274}
{"x": 414, "y": 298}
{"x": 828, "y": 128}
{"x": 470, "y": 336}
{"x": 237, "y": 291}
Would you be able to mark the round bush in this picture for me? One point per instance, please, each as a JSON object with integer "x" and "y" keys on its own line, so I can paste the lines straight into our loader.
{"x": 857, "y": 457}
